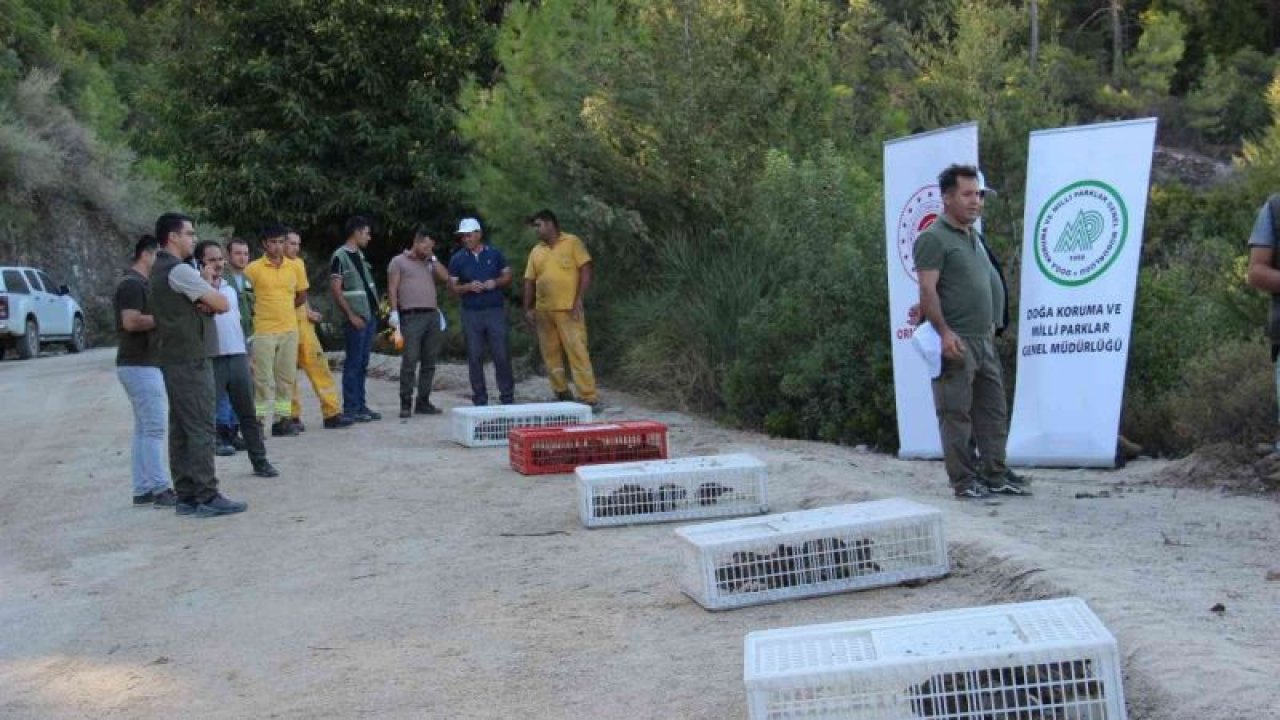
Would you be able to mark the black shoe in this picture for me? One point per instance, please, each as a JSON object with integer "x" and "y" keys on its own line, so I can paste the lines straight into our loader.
{"x": 283, "y": 428}
{"x": 565, "y": 396}
{"x": 265, "y": 469}
{"x": 219, "y": 505}
{"x": 336, "y": 422}
{"x": 144, "y": 499}
{"x": 366, "y": 415}
{"x": 1004, "y": 487}
{"x": 237, "y": 441}
{"x": 165, "y": 498}
{"x": 297, "y": 422}
{"x": 425, "y": 408}
{"x": 222, "y": 442}
{"x": 971, "y": 490}
{"x": 406, "y": 410}
{"x": 185, "y": 507}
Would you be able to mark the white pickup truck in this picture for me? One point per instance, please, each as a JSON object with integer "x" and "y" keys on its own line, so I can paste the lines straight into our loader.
{"x": 33, "y": 311}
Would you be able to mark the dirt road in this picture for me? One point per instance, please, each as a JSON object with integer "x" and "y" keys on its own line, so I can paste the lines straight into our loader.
{"x": 389, "y": 573}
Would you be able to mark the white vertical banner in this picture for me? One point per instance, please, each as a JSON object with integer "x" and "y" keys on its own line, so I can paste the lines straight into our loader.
{"x": 912, "y": 202}
{"x": 1086, "y": 203}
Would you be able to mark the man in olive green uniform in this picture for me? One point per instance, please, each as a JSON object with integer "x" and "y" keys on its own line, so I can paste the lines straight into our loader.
{"x": 182, "y": 303}
{"x": 962, "y": 295}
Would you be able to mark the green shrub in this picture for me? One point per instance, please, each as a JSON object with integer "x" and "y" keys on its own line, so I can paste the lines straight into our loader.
{"x": 1227, "y": 394}
{"x": 813, "y": 358}
{"x": 677, "y": 338}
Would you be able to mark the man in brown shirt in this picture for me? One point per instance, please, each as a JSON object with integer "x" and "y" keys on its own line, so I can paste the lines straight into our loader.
{"x": 411, "y": 288}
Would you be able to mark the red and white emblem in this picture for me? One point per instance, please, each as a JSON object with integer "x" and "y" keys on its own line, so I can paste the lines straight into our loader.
{"x": 922, "y": 210}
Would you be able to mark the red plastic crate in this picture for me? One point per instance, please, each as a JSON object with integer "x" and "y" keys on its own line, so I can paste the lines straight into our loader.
{"x": 546, "y": 450}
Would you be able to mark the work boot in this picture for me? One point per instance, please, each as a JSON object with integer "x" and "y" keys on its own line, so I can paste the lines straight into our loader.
{"x": 406, "y": 408}
{"x": 219, "y": 505}
{"x": 283, "y": 428}
{"x": 265, "y": 469}
{"x": 336, "y": 422}
{"x": 424, "y": 407}
{"x": 165, "y": 498}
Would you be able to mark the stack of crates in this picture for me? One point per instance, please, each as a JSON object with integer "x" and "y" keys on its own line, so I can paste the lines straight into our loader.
{"x": 1047, "y": 659}
{"x": 750, "y": 561}
{"x": 665, "y": 490}
{"x": 489, "y": 425}
{"x": 545, "y": 450}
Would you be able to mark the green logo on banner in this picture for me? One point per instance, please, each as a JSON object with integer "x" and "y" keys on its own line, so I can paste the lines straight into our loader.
{"x": 1080, "y": 232}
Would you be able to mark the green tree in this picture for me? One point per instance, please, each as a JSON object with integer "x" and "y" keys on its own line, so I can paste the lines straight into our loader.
{"x": 309, "y": 110}
{"x": 1226, "y": 104}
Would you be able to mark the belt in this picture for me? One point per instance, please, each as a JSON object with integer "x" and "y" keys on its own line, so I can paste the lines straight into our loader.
{"x": 412, "y": 311}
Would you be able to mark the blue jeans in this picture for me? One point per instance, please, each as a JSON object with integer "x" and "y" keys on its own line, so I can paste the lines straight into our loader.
{"x": 488, "y": 328}
{"x": 356, "y": 365}
{"x": 145, "y": 388}
{"x": 225, "y": 416}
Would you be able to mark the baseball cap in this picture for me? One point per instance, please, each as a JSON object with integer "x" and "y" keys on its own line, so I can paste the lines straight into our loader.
{"x": 468, "y": 225}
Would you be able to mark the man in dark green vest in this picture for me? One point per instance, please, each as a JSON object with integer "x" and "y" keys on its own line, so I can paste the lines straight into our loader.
{"x": 182, "y": 303}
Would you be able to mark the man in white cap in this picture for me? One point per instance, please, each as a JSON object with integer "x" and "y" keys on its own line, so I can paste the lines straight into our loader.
{"x": 964, "y": 297}
{"x": 478, "y": 274}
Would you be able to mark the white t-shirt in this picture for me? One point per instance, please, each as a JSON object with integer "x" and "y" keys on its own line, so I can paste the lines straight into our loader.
{"x": 230, "y": 332}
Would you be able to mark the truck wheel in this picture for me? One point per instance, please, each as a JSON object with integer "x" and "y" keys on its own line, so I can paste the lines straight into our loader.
{"x": 77, "y": 342}
{"x": 28, "y": 345}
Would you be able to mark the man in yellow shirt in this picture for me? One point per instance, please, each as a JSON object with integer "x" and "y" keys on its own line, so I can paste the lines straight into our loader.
{"x": 280, "y": 287}
{"x": 555, "y": 281}
{"x": 311, "y": 358}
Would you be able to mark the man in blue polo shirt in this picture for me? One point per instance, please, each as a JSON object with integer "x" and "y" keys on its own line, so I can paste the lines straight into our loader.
{"x": 478, "y": 274}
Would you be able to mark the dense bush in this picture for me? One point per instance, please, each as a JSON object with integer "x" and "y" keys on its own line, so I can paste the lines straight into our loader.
{"x": 1225, "y": 395}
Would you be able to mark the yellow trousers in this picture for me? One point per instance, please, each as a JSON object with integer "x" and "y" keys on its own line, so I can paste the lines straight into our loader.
{"x": 312, "y": 361}
{"x": 275, "y": 369}
{"x": 560, "y": 335}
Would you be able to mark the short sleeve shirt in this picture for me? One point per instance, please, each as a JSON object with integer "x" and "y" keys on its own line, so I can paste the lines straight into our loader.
{"x": 969, "y": 287}
{"x": 135, "y": 348}
{"x": 467, "y": 266}
{"x": 186, "y": 281}
{"x": 417, "y": 288}
{"x": 275, "y": 289}
{"x": 554, "y": 271}
{"x": 229, "y": 338}
{"x": 1263, "y": 234}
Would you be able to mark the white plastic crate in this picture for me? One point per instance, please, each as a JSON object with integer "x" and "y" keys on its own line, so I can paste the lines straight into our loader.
{"x": 1046, "y": 660}
{"x": 835, "y": 549}
{"x": 488, "y": 425}
{"x": 666, "y": 490}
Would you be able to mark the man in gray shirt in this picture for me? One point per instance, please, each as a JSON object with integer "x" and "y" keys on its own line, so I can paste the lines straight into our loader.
{"x": 1264, "y": 275}
{"x": 415, "y": 312}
